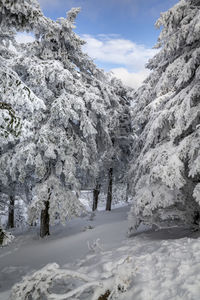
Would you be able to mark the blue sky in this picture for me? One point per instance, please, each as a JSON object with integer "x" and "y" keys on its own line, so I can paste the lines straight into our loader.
{"x": 120, "y": 34}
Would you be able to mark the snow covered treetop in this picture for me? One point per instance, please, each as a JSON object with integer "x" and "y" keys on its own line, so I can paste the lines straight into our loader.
{"x": 21, "y": 14}
{"x": 181, "y": 25}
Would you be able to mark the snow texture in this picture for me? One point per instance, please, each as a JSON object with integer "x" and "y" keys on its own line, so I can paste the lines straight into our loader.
{"x": 149, "y": 265}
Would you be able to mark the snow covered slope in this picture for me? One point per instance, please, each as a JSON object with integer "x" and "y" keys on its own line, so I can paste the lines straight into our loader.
{"x": 151, "y": 265}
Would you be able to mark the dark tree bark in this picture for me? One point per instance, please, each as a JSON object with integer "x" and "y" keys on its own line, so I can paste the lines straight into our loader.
{"x": 109, "y": 194}
{"x": 33, "y": 224}
{"x": 11, "y": 213}
{"x": 44, "y": 220}
{"x": 127, "y": 192}
{"x": 96, "y": 192}
{"x": 1, "y": 235}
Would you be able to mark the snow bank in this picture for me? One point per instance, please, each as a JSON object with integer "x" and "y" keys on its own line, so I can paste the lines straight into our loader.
{"x": 94, "y": 259}
{"x": 148, "y": 266}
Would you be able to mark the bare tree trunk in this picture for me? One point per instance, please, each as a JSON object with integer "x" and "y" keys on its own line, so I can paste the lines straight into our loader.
{"x": 1, "y": 235}
{"x": 96, "y": 192}
{"x": 44, "y": 220}
{"x": 127, "y": 192}
{"x": 109, "y": 194}
{"x": 33, "y": 224}
{"x": 11, "y": 212}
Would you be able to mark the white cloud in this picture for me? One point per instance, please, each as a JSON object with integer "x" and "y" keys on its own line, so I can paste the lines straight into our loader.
{"x": 132, "y": 79}
{"x": 118, "y": 51}
{"x": 126, "y": 59}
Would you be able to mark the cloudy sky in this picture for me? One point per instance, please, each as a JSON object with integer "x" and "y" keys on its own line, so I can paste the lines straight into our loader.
{"x": 120, "y": 34}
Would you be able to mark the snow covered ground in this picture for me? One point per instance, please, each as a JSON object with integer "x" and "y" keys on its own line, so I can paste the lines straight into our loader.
{"x": 151, "y": 265}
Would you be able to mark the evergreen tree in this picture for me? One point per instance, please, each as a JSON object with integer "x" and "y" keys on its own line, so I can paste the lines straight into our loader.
{"x": 166, "y": 168}
{"x": 121, "y": 135}
{"x": 19, "y": 108}
{"x": 71, "y": 129}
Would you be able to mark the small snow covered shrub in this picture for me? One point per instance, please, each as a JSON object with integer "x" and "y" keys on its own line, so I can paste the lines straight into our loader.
{"x": 5, "y": 237}
{"x": 95, "y": 246}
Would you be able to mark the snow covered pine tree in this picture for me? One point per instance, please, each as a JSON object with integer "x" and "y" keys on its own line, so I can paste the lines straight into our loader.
{"x": 166, "y": 169}
{"x": 19, "y": 108}
{"x": 121, "y": 135}
{"x": 114, "y": 163}
{"x": 80, "y": 107}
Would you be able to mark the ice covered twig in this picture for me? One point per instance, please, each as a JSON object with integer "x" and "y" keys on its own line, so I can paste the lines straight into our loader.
{"x": 43, "y": 284}
{"x": 40, "y": 283}
{"x": 95, "y": 245}
{"x": 77, "y": 292}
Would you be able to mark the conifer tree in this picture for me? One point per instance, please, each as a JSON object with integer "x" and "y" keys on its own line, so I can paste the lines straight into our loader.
{"x": 71, "y": 127}
{"x": 166, "y": 168}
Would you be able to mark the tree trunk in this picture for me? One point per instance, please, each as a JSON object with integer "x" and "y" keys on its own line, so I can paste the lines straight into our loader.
{"x": 127, "y": 192}
{"x": 109, "y": 194}
{"x": 1, "y": 235}
{"x": 96, "y": 192}
{"x": 44, "y": 220}
{"x": 11, "y": 212}
{"x": 33, "y": 224}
